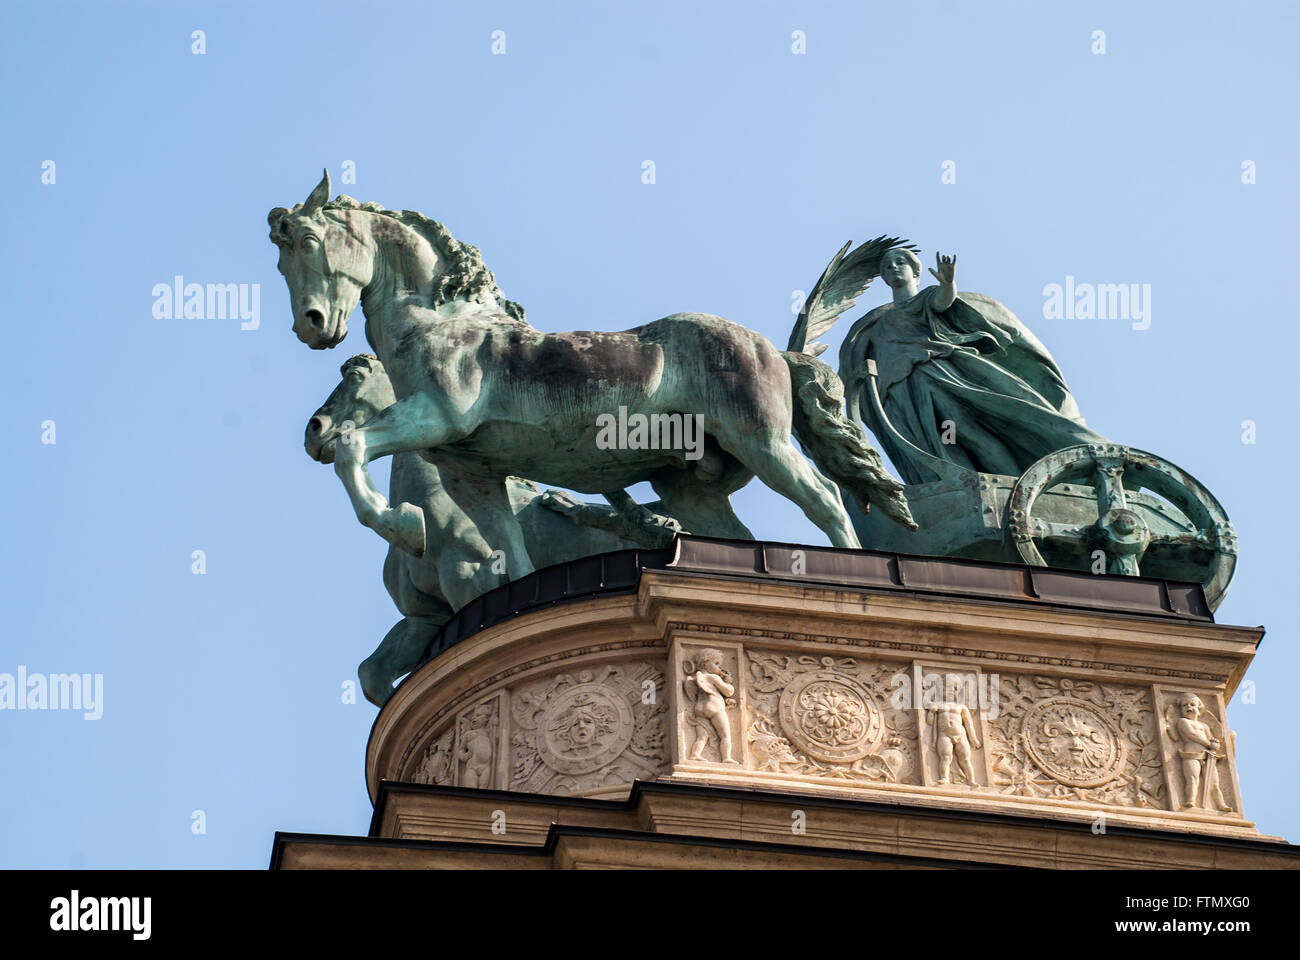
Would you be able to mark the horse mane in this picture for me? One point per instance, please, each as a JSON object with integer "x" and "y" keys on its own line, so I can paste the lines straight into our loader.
{"x": 466, "y": 274}
{"x": 368, "y": 360}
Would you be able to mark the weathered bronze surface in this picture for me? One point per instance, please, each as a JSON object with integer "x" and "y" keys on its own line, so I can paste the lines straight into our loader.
{"x": 478, "y": 407}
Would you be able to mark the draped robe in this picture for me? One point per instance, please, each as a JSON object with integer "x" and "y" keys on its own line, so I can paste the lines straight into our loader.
{"x": 975, "y": 365}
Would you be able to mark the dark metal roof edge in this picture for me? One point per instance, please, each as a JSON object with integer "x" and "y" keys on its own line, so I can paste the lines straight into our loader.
{"x": 669, "y": 557}
{"x": 866, "y": 551}
{"x": 950, "y": 595}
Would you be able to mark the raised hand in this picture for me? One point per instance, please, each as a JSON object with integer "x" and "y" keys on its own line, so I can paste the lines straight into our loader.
{"x": 947, "y": 267}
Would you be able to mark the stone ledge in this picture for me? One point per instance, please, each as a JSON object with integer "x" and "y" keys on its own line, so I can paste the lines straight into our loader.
{"x": 703, "y": 826}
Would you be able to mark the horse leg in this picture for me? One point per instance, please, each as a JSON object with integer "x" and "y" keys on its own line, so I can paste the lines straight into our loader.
{"x": 641, "y": 525}
{"x": 702, "y": 508}
{"x": 457, "y": 550}
{"x": 397, "y": 654}
{"x": 779, "y": 465}
{"x": 413, "y": 423}
{"x": 486, "y": 502}
{"x": 465, "y": 574}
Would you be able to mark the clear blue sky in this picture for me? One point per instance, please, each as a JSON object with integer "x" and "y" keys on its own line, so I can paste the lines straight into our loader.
{"x": 222, "y": 691}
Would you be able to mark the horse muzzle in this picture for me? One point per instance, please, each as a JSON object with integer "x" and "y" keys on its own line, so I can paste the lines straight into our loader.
{"x": 320, "y": 329}
{"x": 320, "y": 438}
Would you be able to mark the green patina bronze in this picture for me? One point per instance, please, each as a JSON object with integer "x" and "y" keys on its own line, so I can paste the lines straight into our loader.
{"x": 958, "y": 377}
{"x": 487, "y": 398}
{"x": 457, "y": 563}
{"x": 469, "y": 400}
{"x": 976, "y": 416}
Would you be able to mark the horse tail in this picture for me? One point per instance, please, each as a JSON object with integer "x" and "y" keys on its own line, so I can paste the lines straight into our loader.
{"x": 838, "y": 445}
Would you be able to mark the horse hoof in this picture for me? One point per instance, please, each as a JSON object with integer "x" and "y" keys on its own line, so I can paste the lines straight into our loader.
{"x": 657, "y": 530}
{"x": 373, "y": 689}
{"x": 408, "y": 529}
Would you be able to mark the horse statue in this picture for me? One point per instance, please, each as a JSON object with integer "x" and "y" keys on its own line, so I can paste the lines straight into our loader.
{"x": 427, "y": 590}
{"x": 486, "y": 396}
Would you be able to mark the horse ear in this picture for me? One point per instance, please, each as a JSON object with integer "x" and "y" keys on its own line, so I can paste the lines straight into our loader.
{"x": 318, "y": 196}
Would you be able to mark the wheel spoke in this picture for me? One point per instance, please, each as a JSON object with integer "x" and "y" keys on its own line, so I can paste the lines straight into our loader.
{"x": 1110, "y": 486}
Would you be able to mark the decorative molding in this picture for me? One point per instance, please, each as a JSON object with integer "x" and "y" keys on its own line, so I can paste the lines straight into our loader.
{"x": 828, "y": 717}
{"x": 937, "y": 650}
{"x": 948, "y": 724}
{"x": 1068, "y": 739}
{"x": 435, "y": 719}
{"x": 577, "y": 732}
{"x": 1199, "y": 752}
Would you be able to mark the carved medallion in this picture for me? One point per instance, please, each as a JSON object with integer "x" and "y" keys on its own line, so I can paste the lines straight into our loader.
{"x": 1073, "y": 742}
{"x": 584, "y": 728}
{"x": 830, "y": 716}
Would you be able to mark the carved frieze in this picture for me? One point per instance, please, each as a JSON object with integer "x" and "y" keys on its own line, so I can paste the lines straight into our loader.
{"x": 478, "y": 732}
{"x": 580, "y": 731}
{"x": 745, "y": 711}
{"x": 437, "y": 766}
{"x": 709, "y": 696}
{"x": 1071, "y": 739}
{"x": 1198, "y": 751}
{"x": 828, "y": 717}
{"x": 1073, "y": 742}
{"x": 471, "y": 750}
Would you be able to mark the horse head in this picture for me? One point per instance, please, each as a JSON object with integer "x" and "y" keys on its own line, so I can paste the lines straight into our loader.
{"x": 326, "y": 261}
{"x": 333, "y": 251}
{"x": 364, "y": 391}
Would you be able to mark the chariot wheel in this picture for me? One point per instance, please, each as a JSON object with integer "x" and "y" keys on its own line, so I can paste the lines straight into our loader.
{"x": 1120, "y": 532}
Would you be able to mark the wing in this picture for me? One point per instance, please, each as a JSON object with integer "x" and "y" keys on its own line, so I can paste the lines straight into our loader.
{"x": 837, "y": 290}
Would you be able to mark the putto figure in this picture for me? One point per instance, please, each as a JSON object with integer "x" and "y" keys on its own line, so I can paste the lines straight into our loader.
{"x": 953, "y": 732}
{"x": 1199, "y": 752}
{"x": 710, "y": 686}
{"x": 476, "y": 747}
